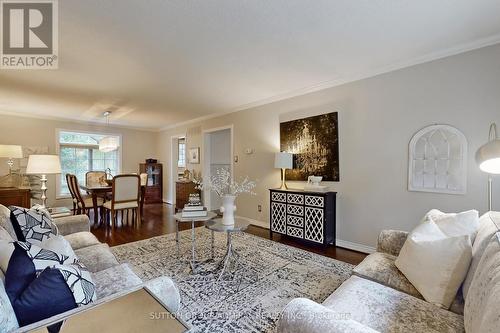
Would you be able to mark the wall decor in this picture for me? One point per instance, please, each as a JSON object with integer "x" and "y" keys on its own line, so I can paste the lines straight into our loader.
{"x": 315, "y": 145}
{"x": 438, "y": 160}
{"x": 194, "y": 155}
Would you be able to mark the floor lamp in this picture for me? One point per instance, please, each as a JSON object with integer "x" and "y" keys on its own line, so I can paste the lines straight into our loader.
{"x": 43, "y": 165}
{"x": 488, "y": 159}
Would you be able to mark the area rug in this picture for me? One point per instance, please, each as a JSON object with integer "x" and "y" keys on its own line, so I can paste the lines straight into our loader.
{"x": 249, "y": 298}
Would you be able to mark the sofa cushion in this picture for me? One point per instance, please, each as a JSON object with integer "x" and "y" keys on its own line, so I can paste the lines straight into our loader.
{"x": 81, "y": 239}
{"x": 5, "y": 235}
{"x": 388, "y": 310}
{"x": 8, "y": 320}
{"x": 115, "y": 279}
{"x": 489, "y": 224}
{"x": 481, "y": 312}
{"x": 5, "y": 221}
{"x": 379, "y": 267}
{"x": 96, "y": 257}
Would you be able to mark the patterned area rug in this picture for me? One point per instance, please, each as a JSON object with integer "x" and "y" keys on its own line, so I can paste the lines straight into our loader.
{"x": 248, "y": 299}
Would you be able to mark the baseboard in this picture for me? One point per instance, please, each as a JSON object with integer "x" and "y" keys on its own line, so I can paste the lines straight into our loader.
{"x": 340, "y": 243}
{"x": 355, "y": 246}
{"x": 257, "y": 223}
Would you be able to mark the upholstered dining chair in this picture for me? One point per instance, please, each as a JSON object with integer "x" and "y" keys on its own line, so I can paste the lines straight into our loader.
{"x": 125, "y": 197}
{"x": 71, "y": 192}
{"x": 95, "y": 178}
{"x": 84, "y": 204}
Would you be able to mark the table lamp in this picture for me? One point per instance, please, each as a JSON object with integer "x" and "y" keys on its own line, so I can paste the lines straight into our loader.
{"x": 43, "y": 165}
{"x": 488, "y": 158}
{"x": 283, "y": 161}
{"x": 11, "y": 152}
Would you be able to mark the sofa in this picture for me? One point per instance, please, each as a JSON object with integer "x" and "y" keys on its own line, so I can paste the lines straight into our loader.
{"x": 379, "y": 298}
{"x": 110, "y": 277}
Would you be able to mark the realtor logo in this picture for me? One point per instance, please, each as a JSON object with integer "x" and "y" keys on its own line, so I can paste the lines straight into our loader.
{"x": 29, "y": 34}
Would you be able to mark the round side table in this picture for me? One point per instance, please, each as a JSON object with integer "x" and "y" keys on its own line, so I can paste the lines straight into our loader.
{"x": 216, "y": 225}
{"x": 179, "y": 219}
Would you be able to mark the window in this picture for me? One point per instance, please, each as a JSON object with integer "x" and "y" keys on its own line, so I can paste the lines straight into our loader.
{"x": 79, "y": 153}
{"x": 181, "y": 159}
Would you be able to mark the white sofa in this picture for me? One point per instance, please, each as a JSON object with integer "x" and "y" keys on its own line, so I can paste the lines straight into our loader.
{"x": 378, "y": 297}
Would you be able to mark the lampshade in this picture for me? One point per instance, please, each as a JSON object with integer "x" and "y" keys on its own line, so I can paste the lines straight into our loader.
{"x": 43, "y": 165}
{"x": 11, "y": 151}
{"x": 108, "y": 143}
{"x": 488, "y": 155}
{"x": 283, "y": 160}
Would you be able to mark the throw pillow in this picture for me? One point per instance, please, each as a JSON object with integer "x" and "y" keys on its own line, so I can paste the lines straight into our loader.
{"x": 41, "y": 283}
{"x": 459, "y": 224}
{"x": 435, "y": 263}
{"x": 32, "y": 225}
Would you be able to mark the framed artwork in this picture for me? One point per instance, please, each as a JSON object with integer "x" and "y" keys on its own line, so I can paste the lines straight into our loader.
{"x": 438, "y": 160}
{"x": 194, "y": 155}
{"x": 315, "y": 144}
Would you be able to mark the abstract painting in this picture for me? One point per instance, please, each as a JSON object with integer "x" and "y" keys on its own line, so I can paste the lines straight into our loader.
{"x": 315, "y": 145}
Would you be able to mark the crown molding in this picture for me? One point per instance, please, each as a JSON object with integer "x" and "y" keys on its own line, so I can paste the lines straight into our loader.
{"x": 75, "y": 121}
{"x": 462, "y": 48}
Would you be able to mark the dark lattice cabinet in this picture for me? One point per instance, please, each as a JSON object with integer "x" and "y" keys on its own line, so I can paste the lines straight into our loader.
{"x": 310, "y": 216}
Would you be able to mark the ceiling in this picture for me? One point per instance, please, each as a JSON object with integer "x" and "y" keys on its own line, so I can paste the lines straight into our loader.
{"x": 160, "y": 63}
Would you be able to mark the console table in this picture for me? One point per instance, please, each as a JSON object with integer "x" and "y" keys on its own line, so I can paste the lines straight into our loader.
{"x": 309, "y": 216}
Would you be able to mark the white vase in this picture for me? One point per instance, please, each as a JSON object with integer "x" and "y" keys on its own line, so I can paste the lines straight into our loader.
{"x": 228, "y": 208}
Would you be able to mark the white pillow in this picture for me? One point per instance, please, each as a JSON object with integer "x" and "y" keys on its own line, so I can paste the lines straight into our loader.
{"x": 58, "y": 244}
{"x": 459, "y": 224}
{"x": 435, "y": 263}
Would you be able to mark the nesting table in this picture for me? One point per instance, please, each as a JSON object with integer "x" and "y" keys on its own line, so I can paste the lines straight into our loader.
{"x": 179, "y": 219}
{"x": 240, "y": 225}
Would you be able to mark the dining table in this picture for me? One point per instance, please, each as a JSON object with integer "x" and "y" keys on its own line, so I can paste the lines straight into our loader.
{"x": 96, "y": 191}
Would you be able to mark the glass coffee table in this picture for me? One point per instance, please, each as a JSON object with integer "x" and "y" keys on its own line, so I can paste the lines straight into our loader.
{"x": 240, "y": 225}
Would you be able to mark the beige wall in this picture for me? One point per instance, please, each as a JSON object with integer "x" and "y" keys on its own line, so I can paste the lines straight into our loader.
{"x": 136, "y": 145}
{"x": 377, "y": 118}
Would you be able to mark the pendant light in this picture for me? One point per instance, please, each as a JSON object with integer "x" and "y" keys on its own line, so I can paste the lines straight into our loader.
{"x": 108, "y": 143}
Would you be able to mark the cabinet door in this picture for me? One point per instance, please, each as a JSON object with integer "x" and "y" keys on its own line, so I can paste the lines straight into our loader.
{"x": 278, "y": 217}
{"x": 314, "y": 220}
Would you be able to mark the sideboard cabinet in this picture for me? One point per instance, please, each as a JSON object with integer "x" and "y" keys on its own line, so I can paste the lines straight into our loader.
{"x": 11, "y": 196}
{"x": 310, "y": 216}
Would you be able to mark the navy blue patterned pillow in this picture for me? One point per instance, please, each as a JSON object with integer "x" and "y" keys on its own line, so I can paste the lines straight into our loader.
{"x": 31, "y": 225}
{"x": 41, "y": 283}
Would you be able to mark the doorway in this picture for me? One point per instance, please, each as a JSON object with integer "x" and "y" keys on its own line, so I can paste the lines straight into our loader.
{"x": 178, "y": 163}
{"x": 218, "y": 152}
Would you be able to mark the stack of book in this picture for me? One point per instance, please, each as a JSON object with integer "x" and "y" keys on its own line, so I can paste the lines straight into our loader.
{"x": 194, "y": 208}
{"x": 194, "y": 211}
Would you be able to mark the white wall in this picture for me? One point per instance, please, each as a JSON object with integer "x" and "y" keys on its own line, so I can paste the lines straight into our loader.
{"x": 136, "y": 145}
{"x": 377, "y": 117}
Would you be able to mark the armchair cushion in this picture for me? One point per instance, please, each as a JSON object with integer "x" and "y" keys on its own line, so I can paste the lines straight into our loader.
{"x": 72, "y": 224}
{"x": 391, "y": 241}
{"x": 96, "y": 257}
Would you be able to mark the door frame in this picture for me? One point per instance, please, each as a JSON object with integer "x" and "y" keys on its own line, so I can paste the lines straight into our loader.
{"x": 206, "y": 155}
{"x": 173, "y": 167}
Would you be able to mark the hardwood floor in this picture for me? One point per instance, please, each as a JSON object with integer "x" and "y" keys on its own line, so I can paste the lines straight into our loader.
{"x": 158, "y": 220}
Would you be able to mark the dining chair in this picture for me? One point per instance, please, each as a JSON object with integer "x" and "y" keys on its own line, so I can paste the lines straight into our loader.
{"x": 84, "y": 204}
{"x": 95, "y": 178}
{"x": 125, "y": 196}
{"x": 144, "y": 183}
{"x": 71, "y": 192}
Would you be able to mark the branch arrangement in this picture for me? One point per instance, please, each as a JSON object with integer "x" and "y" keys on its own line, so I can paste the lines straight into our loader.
{"x": 222, "y": 184}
